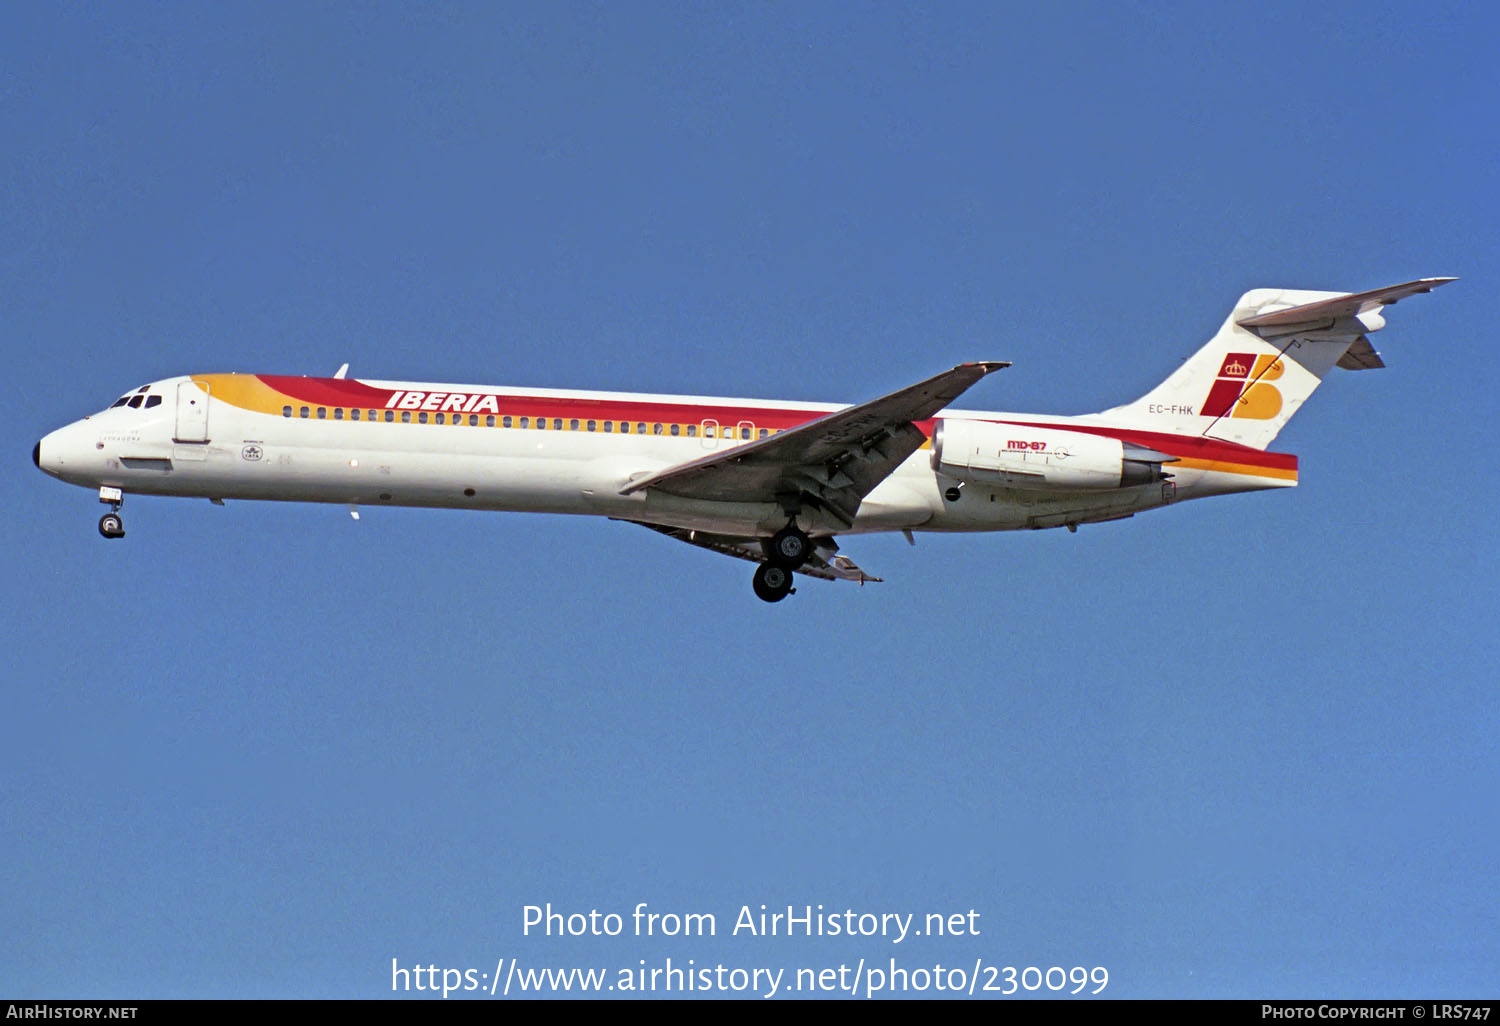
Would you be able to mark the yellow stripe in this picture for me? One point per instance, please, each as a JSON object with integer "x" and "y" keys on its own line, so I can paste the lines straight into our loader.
{"x": 246, "y": 391}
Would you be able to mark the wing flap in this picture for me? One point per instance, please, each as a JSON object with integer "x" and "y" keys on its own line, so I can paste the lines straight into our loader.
{"x": 824, "y": 564}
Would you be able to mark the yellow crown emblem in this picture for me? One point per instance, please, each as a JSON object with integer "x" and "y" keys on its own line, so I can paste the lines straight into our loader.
{"x": 1236, "y": 369}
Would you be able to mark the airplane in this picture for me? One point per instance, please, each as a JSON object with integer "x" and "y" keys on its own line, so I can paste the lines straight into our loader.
{"x": 773, "y": 482}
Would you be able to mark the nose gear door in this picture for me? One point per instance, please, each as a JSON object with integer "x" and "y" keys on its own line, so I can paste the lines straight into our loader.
{"x": 192, "y": 412}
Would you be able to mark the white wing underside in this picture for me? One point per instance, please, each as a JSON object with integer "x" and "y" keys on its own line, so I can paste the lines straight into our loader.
{"x": 830, "y": 463}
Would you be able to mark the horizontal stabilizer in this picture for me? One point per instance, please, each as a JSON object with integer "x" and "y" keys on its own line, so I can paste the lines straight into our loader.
{"x": 1342, "y": 306}
{"x": 1266, "y": 359}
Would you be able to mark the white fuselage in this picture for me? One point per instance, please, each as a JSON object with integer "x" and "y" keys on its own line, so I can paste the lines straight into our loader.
{"x": 479, "y": 447}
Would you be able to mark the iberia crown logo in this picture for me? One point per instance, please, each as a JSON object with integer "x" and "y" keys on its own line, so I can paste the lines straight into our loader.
{"x": 1244, "y": 389}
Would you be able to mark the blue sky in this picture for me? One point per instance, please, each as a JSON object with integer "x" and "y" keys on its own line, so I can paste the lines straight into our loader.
{"x": 1240, "y": 747}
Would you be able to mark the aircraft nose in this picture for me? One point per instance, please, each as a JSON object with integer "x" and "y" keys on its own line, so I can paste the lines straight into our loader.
{"x": 45, "y": 453}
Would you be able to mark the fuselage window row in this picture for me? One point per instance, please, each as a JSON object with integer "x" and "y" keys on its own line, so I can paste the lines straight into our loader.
{"x": 745, "y": 430}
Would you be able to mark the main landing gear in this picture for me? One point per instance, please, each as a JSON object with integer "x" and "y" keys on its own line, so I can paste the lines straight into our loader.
{"x": 789, "y": 549}
{"x": 772, "y": 583}
{"x": 110, "y": 525}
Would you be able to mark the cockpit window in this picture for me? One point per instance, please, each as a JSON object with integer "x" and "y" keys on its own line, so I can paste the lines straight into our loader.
{"x": 139, "y": 399}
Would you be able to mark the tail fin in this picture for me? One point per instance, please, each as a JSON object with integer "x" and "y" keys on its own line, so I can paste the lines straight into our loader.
{"x": 1249, "y": 379}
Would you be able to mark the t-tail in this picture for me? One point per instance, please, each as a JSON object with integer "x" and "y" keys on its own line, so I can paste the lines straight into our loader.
{"x": 1272, "y": 351}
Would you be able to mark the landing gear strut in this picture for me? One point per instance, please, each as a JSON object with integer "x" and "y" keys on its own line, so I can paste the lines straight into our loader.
{"x": 772, "y": 583}
{"x": 110, "y": 525}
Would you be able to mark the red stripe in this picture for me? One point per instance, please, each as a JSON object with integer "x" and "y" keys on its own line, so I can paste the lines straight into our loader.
{"x": 344, "y": 392}
{"x": 327, "y": 391}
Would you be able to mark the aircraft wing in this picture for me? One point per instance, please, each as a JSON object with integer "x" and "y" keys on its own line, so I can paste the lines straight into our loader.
{"x": 832, "y": 462}
{"x": 824, "y": 563}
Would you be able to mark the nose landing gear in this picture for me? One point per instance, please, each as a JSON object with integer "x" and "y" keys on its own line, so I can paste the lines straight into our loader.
{"x": 110, "y": 525}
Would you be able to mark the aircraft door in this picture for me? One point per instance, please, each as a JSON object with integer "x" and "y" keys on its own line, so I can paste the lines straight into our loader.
{"x": 710, "y": 431}
{"x": 192, "y": 413}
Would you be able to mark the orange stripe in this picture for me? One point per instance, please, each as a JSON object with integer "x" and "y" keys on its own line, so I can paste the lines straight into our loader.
{"x": 1223, "y": 467}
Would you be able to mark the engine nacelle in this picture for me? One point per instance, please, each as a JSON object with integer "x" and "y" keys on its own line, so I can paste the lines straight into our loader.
{"x": 1003, "y": 455}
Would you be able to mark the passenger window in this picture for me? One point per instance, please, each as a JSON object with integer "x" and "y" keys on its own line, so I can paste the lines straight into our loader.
{"x": 745, "y": 432}
{"x": 762, "y": 433}
{"x": 406, "y": 416}
{"x": 609, "y": 426}
{"x": 656, "y": 429}
{"x": 473, "y": 420}
{"x": 390, "y": 415}
{"x": 286, "y": 411}
{"x": 640, "y": 429}
{"x": 422, "y": 417}
{"x": 353, "y": 414}
{"x": 489, "y": 420}
{"x": 506, "y": 421}
{"x": 676, "y": 428}
{"x": 135, "y": 402}
{"x": 525, "y": 422}
{"x": 692, "y": 431}
{"x": 624, "y": 428}
{"x": 322, "y": 413}
{"x": 338, "y": 413}
{"x": 438, "y": 419}
{"x": 541, "y": 423}
{"x": 372, "y": 415}
{"x": 573, "y": 425}
{"x": 593, "y": 424}
{"x": 152, "y": 400}
{"x": 303, "y": 412}
{"x": 556, "y": 423}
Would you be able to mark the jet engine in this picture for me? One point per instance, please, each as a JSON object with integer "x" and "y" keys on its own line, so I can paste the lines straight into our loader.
{"x": 1010, "y": 456}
